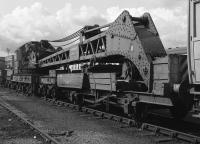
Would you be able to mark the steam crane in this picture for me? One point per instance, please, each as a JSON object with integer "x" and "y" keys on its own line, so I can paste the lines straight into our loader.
{"x": 122, "y": 64}
{"x": 123, "y": 61}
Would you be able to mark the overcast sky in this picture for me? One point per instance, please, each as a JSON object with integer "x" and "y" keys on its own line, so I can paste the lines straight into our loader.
{"x": 26, "y": 20}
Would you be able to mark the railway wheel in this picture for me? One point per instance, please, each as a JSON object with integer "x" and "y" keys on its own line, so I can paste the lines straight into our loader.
{"x": 178, "y": 111}
{"x": 39, "y": 91}
{"x": 182, "y": 101}
{"x": 44, "y": 92}
{"x": 25, "y": 90}
{"x": 14, "y": 86}
{"x": 29, "y": 90}
{"x": 73, "y": 97}
{"x": 53, "y": 93}
{"x": 79, "y": 101}
{"x": 141, "y": 113}
{"x": 48, "y": 92}
{"x": 19, "y": 87}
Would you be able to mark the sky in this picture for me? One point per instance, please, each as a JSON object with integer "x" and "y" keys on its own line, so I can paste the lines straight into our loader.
{"x": 22, "y": 21}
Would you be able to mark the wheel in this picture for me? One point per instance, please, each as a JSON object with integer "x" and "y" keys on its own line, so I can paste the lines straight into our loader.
{"x": 178, "y": 111}
{"x": 141, "y": 112}
{"x": 73, "y": 97}
{"x": 29, "y": 90}
{"x": 44, "y": 92}
{"x": 80, "y": 101}
{"x": 39, "y": 91}
{"x": 182, "y": 101}
{"x": 182, "y": 105}
{"x": 53, "y": 93}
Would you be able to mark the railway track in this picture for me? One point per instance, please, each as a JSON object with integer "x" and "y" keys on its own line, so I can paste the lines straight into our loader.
{"x": 162, "y": 134}
{"x": 47, "y": 138}
{"x": 188, "y": 125}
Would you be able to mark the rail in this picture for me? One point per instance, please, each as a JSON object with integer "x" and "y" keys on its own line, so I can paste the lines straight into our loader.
{"x": 171, "y": 134}
{"x": 46, "y": 136}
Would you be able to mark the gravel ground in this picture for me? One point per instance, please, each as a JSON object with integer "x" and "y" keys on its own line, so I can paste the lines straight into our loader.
{"x": 79, "y": 128}
{"x": 13, "y": 131}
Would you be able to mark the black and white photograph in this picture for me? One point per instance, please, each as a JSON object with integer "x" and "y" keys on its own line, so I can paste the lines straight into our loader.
{"x": 99, "y": 72}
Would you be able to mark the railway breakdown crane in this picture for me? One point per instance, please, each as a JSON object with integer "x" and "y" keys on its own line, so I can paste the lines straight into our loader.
{"x": 122, "y": 64}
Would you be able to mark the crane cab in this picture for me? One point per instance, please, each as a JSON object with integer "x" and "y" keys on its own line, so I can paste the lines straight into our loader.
{"x": 194, "y": 41}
